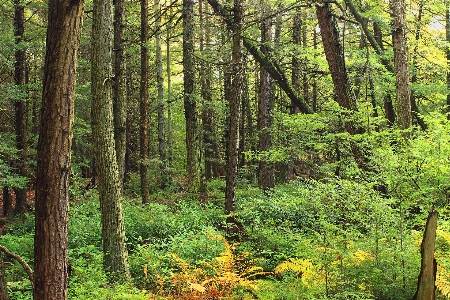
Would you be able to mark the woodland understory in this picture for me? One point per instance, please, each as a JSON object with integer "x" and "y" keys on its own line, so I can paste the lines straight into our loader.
{"x": 204, "y": 149}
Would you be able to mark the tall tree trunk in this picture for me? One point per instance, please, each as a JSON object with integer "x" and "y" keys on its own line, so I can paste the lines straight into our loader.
{"x": 266, "y": 171}
{"x": 404, "y": 117}
{"x": 119, "y": 90}
{"x": 169, "y": 96}
{"x": 20, "y": 105}
{"x": 115, "y": 258}
{"x": 207, "y": 114}
{"x": 160, "y": 84}
{"x": 53, "y": 151}
{"x": 296, "y": 40}
{"x": 190, "y": 103}
{"x": 335, "y": 55}
{"x": 235, "y": 100}
{"x": 143, "y": 105}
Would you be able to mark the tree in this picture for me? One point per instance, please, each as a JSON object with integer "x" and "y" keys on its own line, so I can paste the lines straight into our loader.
{"x": 20, "y": 104}
{"x": 143, "y": 104}
{"x": 266, "y": 172}
{"x": 160, "y": 84}
{"x": 113, "y": 234}
{"x": 404, "y": 117}
{"x": 335, "y": 56}
{"x": 190, "y": 103}
{"x": 235, "y": 101}
{"x": 119, "y": 90}
{"x": 53, "y": 153}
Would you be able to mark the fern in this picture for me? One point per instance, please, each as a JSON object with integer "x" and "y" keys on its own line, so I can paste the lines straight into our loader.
{"x": 219, "y": 278}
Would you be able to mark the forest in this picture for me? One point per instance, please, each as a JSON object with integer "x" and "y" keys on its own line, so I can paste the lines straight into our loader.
{"x": 224, "y": 149}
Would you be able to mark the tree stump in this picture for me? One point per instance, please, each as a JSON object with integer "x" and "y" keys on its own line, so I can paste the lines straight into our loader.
{"x": 427, "y": 276}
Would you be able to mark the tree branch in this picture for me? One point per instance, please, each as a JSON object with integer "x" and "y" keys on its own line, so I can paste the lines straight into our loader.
{"x": 24, "y": 264}
{"x": 269, "y": 64}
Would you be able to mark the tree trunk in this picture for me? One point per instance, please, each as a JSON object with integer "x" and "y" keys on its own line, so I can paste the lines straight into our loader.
{"x": 190, "y": 103}
{"x": 7, "y": 203}
{"x": 335, "y": 56}
{"x": 119, "y": 90}
{"x": 115, "y": 258}
{"x": 160, "y": 84}
{"x": 207, "y": 114}
{"x": 3, "y": 287}
{"x": 143, "y": 105}
{"x": 169, "y": 97}
{"x": 266, "y": 172}
{"x": 296, "y": 75}
{"x": 235, "y": 100}
{"x": 427, "y": 276}
{"x": 404, "y": 117}
{"x": 20, "y": 105}
{"x": 53, "y": 151}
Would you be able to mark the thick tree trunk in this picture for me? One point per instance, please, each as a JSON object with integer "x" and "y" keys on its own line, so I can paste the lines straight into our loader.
{"x": 190, "y": 103}
{"x": 427, "y": 276}
{"x": 335, "y": 56}
{"x": 119, "y": 90}
{"x": 53, "y": 151}
{"x": 143, "y": 105}
{"x": 113, "y": 233}
{"x": 266, "y": 171}
{"x": 404, "y": 117}
{"x": 20, "y": 105}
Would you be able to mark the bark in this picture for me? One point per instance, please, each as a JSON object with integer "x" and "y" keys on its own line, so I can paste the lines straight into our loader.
{"x": 53, "y": 151}
{"x": 266, "y": 171}
{"x": 207, "y": 114}
{"x": 235, "y": 100}
{"x": 160, "y": 84}
{"x": 169, "y": 98}
{"x": 3, "y": 288}
{"x": 190, "y": 103}
{"x": 296, "y": 75}
{"x": 115, "y": 259}
{"x": 268, "y": 63}
{"x": 143, "y": 105}
{"x": 7, "y": 203}
{"x": 119, "y": 90}
{"x": 335, "y": 56}
{"x": 20, "y": 105}
{"x": 427, "y": 276}
{"x": 404, "y": 117}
